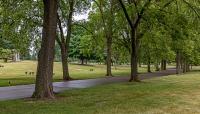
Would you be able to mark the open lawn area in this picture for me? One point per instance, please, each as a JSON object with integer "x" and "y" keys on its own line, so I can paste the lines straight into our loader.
{"x": 16, "y": 72}
{"x": 165, "y": 95}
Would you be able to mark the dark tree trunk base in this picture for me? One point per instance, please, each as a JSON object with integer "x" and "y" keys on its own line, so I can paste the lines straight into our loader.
{"x": 45, "y": 96}
{"x": 109, "y": 75}
{"x": 134, "y": 80}
{"x": 67, "y": 79}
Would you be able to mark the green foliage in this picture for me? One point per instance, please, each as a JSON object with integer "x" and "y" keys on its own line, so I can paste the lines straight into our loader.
{"x": 167, "y": 27}
{"x": 20, "y": 23}
{"x": 5, "y": 53}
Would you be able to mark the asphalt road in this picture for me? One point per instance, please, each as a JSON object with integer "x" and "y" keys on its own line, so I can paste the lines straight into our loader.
{"x": 25, "y": 91}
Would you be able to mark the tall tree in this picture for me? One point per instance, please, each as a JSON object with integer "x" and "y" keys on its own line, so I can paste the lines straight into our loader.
{"x": 134, "y": 20}
{"x": 67, "y": 9}
{"x": 44, "y": 85}
{"x": 106, "y": 10}
{"x": 63, "y": 41}
{"x": 109, "y": 36}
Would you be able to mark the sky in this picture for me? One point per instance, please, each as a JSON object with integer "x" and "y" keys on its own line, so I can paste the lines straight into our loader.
{"x": 81, "y": 16}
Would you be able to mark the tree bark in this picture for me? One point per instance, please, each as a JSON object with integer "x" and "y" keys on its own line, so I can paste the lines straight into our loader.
{"x": 178, "y": 63}
{"x": 44, "y": 77}
{"x": 149, "y": 65}
{"x": 5, "y": 60}
{"x": 187, "y": 67}
{"x": 181, "y": 62}
{"x": 163, "y": 64}
{"x": 82, "y": 60}
{"x": 140, "y": 64}
{"x": 109, "y": 54}
{"x": 157, "y": 66}
{"x": 184, "y": 66}
{"x": 86, "y": 61}
{"x": 134, "y": 67}
{"x": 65, "y": 67}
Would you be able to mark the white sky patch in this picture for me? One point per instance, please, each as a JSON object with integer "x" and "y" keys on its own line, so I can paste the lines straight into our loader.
{"x": 80, "y": 17}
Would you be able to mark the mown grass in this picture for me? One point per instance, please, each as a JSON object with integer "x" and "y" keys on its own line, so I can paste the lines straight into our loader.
{"x": 166, "y": 95}
{"x": 15, "y": 72}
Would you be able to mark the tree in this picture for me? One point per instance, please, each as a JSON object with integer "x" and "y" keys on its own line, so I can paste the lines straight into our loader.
{"x": 5, "y": 54}
{"x": 64, "y": 42}
{"x": 65, "y": 20}
{"x": 44, "y": 86}
{"x": 134, "y": 21}
{"x": 106, "y": 10}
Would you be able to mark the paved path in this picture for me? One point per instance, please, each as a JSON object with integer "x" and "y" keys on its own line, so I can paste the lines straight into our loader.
{"x": 25, "y": 91}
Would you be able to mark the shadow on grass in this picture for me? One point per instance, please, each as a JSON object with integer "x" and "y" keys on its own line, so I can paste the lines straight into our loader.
{"x": 82, "y": 64}
{"x": 195, "y": 70}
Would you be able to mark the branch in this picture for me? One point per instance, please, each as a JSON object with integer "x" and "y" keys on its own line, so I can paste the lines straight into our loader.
{"x": 126, "y": 14}
{"x": 58, "y": 40}
{"x": 140, "y": 15}
{"x": 69, "y": 22}
{"x": 168, "y": 3}
{"x": 80, "y": 25}
{"x": 101, "y": 12}
{"x": 190, "y": 6}
{"x": 136, "y": 7}
{"x": 61, "y": 32}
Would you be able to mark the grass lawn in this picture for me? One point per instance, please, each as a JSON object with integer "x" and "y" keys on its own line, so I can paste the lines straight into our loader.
{"x": 166, "y": 95}
{"x": 15, "y": 72}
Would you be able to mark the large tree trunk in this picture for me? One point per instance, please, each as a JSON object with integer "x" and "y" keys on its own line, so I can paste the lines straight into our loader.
{"x": 82, "y": 59}
{"x": 163, "y": 64}
{"x": 16, "y": 57}
{"x": 134, "y": 68}
{"x": 178, "y": 63}
{"x": 44, "y": 77}
{"x": 184, "y": 65}
{"x": 157, "y": 66}
{"x": 181, "y": 62}
{"x": 65, "y": 64}
{"x": 5, "y": 60}
{"x": 140, "y": 64}
{"x": 187, "y": 67}
{"x": 109, "y": 54}
{"x": 149, "y": 65}
{"x": 86, "y": 61}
